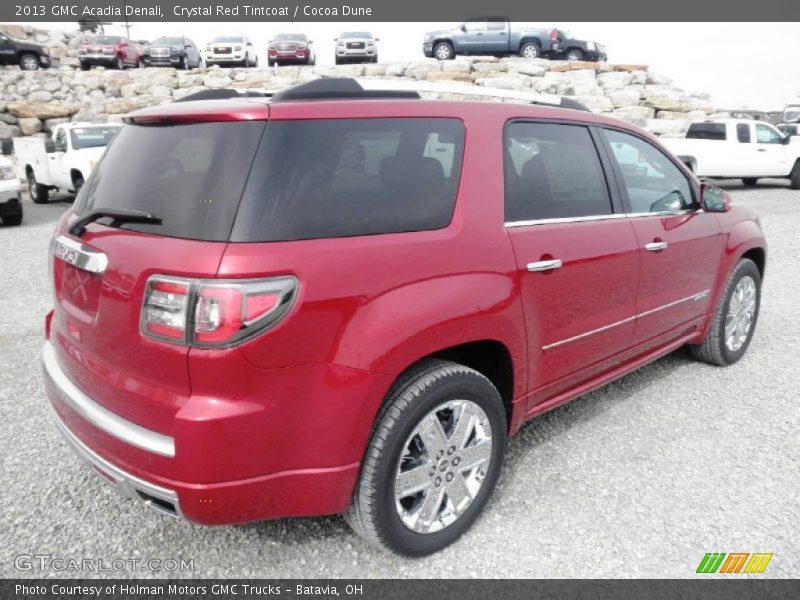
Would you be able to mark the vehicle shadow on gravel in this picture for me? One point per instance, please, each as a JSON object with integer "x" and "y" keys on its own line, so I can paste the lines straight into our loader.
{"x": 736, "y": 184}
{"x": 536, "y": 432}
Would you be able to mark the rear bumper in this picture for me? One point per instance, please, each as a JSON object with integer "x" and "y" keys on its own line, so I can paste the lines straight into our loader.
{"x": 138, "y": 464}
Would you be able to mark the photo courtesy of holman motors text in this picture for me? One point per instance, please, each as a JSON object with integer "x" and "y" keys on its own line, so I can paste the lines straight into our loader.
{"x": 371, "y": 298}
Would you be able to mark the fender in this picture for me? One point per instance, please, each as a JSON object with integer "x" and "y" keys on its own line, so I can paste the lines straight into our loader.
{"x": 744, "y": 234}
{"x": 403, "y": 325}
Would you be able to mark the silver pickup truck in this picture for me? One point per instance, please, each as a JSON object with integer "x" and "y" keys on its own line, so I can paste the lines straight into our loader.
{"x": 496, "y": 36}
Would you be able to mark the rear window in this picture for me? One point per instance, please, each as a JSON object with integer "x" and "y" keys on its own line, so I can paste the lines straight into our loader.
{"x": 93, "y": 137}
{"x": 351, "y": 177}
{"x": 191, "y": 176}
{"x": 706, "y": 131}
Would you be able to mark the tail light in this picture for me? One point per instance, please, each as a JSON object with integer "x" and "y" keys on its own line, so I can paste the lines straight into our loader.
{"x": 214, "y": 313}
{"x": 554, "y": 35}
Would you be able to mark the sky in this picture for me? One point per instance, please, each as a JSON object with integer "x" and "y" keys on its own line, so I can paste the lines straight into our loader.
{"x": 742, "y": 65}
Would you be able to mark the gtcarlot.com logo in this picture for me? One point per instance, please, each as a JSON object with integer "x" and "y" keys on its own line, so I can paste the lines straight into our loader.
{"x": 734, "y": 562}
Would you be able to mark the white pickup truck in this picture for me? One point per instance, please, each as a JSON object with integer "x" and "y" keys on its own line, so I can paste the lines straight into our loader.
{"x": 64, "y": 160}
{"x": 738, "y": 148}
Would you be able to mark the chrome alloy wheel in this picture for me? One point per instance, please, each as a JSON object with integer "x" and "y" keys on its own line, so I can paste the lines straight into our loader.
{"x": 530, "y": 51}
{"x": 741, "y": 310}
{"x": 443, "y": 465}
{"x": 443, "y": 52}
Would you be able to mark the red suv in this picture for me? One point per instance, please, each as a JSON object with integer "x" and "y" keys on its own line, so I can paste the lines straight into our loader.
{"x": 109, "y": 51}
{"x": 304, "y": 306}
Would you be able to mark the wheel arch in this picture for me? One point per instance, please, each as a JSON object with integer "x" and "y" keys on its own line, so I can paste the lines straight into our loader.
{"x": 530, "y": 38}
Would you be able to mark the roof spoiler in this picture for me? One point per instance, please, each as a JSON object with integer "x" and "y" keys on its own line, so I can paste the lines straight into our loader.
{"x": 225, "y": 94}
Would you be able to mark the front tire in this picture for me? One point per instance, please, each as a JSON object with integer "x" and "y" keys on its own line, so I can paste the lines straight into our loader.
{"x": 530, "y": 50}
{"x": 13, "y": 220}
{"x": 575, "y": 55}
{"x": 735, "y": 319}
{"x": 184, "y": 64}
{"x": 119, "y": 64}
{"x": 443, "y": 51}
{"x": 749, "y": 181}
{"x": 433, "y": 459}
{"x": 40, "y": 194}
{"x": 29, "y": 62}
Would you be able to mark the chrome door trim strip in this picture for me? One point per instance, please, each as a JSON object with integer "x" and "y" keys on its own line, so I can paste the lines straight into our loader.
{"x": 555, "y": 221}
{"x": 99, "y": 416}
{"x": 78, "y": 255}
{"x": 697, "y": 296}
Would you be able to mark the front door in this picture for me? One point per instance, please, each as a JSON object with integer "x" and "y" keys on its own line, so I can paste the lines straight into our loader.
{"x": 680, "y": 246}
{"x": 771, "y": 156}
{"x": 577, "y": 260}
{"x": 8, "y": 50}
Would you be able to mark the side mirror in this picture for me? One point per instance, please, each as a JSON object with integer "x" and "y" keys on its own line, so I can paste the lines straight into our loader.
{"x": 335, "y": 39}
{"x": 49, "y": 145}
{"x": 713, "y": 199}
{"x": 463, "y": 27}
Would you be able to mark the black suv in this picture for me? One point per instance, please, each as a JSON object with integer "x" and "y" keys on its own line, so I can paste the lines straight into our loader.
{"x": 566, "y": 46}
{"x": 25, "y": 54}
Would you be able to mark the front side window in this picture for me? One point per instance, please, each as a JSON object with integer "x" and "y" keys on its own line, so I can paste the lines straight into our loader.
{"x": 552, "y": 171}
{"x": 743, "y": 133}
{"x": 475, "y": 26}
{"x": 653, "y": 182}
{"x": 767, "y": 135}
{"x": 325, "y": 178}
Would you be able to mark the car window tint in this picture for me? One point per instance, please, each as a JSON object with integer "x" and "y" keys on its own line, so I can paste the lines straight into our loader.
{"x": 552, "y": 171}
{"x": 326, "y": 178}
{"x": 743, "y": 133}
{"x": 767, "y": 135}
{"x": 653, "y": 182}
{"x": 706, "y": 131}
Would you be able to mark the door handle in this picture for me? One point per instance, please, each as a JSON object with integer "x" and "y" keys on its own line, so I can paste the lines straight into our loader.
{"x": 544, "y": 265}
{"x": 656, "y": 246}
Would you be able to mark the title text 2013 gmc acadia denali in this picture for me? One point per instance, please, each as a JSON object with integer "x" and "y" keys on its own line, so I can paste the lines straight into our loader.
{"x": 305, "y": 306}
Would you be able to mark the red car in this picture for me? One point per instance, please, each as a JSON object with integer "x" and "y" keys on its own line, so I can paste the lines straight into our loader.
{"x": 290, "y": 48}
{"x": 304, "y": 306}
{"x": 110, "y": 51}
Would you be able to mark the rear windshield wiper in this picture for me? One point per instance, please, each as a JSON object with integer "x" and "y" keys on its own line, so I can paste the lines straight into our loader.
{"x": 118, "y": 216}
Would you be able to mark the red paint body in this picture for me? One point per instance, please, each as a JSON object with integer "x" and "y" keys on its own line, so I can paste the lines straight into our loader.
{"x": 278, "y": 425}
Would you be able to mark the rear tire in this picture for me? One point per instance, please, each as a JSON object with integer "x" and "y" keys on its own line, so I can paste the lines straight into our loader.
{"x": 530, "y": 50}
{"x": 40, "y": 194}
{"x": 794, "y": 176}
{"x": 749, "y": 181}
{"x": 724, "y": 344}
{"x": 432, "y": 400}
{"x": 13, "y": 220}
{"x": 29, "y": 62}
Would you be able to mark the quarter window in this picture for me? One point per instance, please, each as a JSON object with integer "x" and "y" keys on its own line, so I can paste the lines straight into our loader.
{"x": 767, "y": 135}
{"x": 743, "y": 133}
{"x": 652, "y": 180}
{"x": 552, "y": 171}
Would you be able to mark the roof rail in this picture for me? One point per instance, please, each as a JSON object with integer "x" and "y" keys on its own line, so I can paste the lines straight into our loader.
{"x": 225, "y": 94}
{"x": 345, "y": 88}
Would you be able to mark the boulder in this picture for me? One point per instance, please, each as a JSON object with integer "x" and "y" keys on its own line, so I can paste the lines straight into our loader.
{"x": 576, "y": 65}
{"x": 449, "y": 76}
{"x": 615, "y": 80}
{"x": 482, "y": 67}
{"x": 668, "y": 127}
{"x": 217, "y": 81}
{"x": 624, "y": 97}
{"x": 40, "y": 96}
{"x": 457, "y": 66}
{"x": 630, "y": 68}
{"x": 396, "y": 69}
{"x": 586, "y": 88}
{"x": 504, "y": 83}
{"x": 637, "y": 115}
{"x": 42, "y": 110}
{"x": 420, "y": 69}
{"x": 667, "y": 100}
{"x": 8, "y": 131}
{"x": 655, "y": 79}
{"x": 376, "y": 70}
{"x": 29, "y": 126}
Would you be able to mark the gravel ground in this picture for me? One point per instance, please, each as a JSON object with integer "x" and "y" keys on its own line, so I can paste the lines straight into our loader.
{"x": 638, "y": 479}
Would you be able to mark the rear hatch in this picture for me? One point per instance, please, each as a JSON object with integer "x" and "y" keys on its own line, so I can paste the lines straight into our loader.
{"x": 190, "y": 176}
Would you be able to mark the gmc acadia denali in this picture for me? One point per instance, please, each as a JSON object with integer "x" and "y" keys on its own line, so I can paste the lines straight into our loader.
{"x": 342, "y": 300}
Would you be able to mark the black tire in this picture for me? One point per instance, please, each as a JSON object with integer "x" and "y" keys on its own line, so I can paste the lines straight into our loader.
{"x": 13, "y": 220}
{"x": 119, "y": 64}
{"x": 374, "y": 59}
{"x": 40, "y": 194}
{"x": 373, "y": 514}
{"x": 28, "y": 62}
{"x": 141, "y": 64}
{"x": 749, "y": 181}
{"x": 85, "y": 67}
{"x": 184, "y": 65}
{"x": 530, "y": 50}
{"x": 270, "y": 62}
{"x": 575, "y": 54}
{"x": 444, "y": 51}
{"x": 794, "y": 176}
{"x": 78, "y": 183}
{"x": 713, "y": 349}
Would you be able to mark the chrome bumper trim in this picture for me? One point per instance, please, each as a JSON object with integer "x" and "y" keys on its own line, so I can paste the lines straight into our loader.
{"x": 101, "y": 417}
{"x": 123, "y": 482}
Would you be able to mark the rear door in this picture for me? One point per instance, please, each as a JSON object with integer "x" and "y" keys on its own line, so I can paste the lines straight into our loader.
{"x": 680, "y": 246}
{"x": 191, "y": 176}
{"x": 576, "y": 255}
{"x": 496, "y": 36}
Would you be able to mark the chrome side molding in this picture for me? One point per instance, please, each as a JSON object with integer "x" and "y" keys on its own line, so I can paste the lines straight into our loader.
{"x": 79, "y": 255}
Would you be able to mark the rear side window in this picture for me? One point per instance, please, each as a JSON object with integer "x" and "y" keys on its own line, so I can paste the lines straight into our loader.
{"x": 743, "y": 133}
{"x": 706, "y": 131}
{"x": 552, "y": 171}
{"x": 191, "y": 176}
{"x": 349, "y": 177}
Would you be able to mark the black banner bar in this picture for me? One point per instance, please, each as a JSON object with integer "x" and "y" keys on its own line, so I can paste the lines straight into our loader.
{"x": 738, "y": 587}
{"x": 31, "y": 11}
